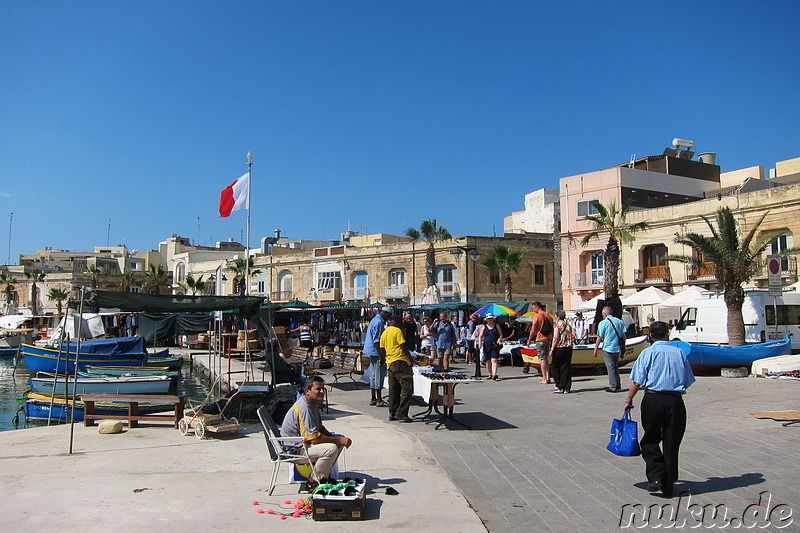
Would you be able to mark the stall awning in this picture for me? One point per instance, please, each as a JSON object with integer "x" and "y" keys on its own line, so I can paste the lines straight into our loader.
{"x": 169, "y": 303}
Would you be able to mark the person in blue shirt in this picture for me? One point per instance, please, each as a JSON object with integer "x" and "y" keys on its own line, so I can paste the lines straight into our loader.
{"x": 663, "y": 372}
{"x": 445, "y": 340}
{"x": 611, "y": 332}
{"x": 377, "y": 371}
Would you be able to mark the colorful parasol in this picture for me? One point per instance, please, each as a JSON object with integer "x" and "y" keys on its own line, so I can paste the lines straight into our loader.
{"x": 527, "y": 317}
{"x": 496, "y": 310}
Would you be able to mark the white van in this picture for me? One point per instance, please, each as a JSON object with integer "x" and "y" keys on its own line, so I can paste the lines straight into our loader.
{"x": 706, "y": 320}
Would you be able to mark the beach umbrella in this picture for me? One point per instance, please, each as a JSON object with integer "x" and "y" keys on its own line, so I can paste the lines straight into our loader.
{"x": 297, "y": 304}
{"x": 591, "y": 305}
{"x": 527, "y": 317}
{"x": 496, "y": 310}
{"x": 683, "y": 298}
{"x": 648, "y": 296}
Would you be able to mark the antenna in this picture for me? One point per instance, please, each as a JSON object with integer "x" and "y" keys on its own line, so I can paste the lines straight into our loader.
{"x": 10, "y": 222}
{"x": 198, "y": 231}
{"x": 108, "y": 233}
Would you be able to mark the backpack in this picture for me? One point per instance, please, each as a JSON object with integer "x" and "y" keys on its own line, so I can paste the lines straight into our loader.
{"x": 547, "y": 326}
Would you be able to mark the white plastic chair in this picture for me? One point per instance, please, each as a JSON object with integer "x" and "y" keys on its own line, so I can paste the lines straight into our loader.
{"x": 277, "y": 447}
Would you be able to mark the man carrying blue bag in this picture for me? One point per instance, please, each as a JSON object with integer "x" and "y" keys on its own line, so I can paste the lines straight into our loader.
{"x": 663, "y": 371}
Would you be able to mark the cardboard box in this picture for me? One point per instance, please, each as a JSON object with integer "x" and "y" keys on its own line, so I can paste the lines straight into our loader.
{"x": 339, "y": 507}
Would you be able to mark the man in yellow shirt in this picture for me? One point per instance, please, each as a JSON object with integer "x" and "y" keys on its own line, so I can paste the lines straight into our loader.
{"x": 398, "y": 361}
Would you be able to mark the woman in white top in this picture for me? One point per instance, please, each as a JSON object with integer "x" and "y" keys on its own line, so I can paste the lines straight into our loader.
{"x": 427, "y": 337}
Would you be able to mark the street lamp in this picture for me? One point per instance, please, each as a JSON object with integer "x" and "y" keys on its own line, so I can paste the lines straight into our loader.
{"x": 474, "y": 255}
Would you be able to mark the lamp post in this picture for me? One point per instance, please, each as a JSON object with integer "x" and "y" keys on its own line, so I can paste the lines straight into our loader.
{"x": 472, "y": 253}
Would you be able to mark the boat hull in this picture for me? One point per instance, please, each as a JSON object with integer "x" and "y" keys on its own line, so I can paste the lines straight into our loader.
{"x": 706, "y": 357}
{"x": 37, "y": 408}
{"x": 583, "y": 354}
{"x": 100, "y": 385}
{"x": 126, "y": 351}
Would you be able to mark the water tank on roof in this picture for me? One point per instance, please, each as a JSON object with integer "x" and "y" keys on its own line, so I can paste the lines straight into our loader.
{"x": 709, "y": 158}
{"x": 333, "y": 243}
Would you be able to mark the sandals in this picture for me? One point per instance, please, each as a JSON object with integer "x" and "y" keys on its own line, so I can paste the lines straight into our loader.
{"x": 373, "y": 402}
{"x": 310, "y": 485}
{"x": 381, "y": 404}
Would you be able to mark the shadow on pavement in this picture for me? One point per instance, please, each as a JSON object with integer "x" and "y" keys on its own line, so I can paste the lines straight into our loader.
{"x": 714, "y": 484}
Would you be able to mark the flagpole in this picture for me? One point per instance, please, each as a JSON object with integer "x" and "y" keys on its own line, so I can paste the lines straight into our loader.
{"x": 247, "y": 264}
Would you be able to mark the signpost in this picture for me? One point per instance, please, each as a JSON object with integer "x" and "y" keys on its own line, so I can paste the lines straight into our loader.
{"x": 774, "y": 273}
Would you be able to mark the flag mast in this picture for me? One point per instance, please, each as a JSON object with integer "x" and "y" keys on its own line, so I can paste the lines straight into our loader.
{"x": 247, "y": 253}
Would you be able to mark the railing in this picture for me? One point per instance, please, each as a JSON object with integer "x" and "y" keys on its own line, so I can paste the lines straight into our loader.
{"x": 328, "y": 295}
{"x": 652, "y": 274}
{"x": 704, "y": 271}
{"x": 788, "y": 266}
{"x": 395, "y": 292}
{"x": 356, "y": 293}
{"x": 282, "y": 296}
{"x": 589, "y": 279}
{"x": 447, "y": 289}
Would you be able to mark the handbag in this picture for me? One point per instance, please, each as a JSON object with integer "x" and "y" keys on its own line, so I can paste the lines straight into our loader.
{"x": 624, "y": 437}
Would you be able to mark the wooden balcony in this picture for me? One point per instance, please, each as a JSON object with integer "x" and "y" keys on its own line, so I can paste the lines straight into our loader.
{"x": 702, "y": 272}
{"x": 650, "y": 275}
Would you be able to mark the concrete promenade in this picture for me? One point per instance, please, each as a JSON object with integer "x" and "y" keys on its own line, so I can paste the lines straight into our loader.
{"x": 534, "y": 461}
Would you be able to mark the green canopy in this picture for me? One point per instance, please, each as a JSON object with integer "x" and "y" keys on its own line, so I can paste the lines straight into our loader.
{"x": 169, "y": 303}
{"x": 297, "y": 304}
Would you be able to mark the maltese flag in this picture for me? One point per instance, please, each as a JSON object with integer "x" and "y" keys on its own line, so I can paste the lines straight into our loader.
{"x": 235, "y": 196}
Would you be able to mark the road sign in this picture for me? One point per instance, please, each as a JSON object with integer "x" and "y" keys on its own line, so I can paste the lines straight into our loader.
{"x": 774, "y": 274}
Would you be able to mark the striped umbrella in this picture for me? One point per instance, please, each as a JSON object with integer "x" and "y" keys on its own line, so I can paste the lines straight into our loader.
{"x": 496, "y": 310}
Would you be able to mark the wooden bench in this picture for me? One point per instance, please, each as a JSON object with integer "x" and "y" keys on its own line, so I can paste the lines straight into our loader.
{"x": 133, "y": 400}
{"x": 298, "y": 356}
{"x": 344, "y": 365}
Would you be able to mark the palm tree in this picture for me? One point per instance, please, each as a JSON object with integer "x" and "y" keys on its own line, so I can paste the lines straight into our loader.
{"x": 94, "y": 275}
{"x": 612, "y": 220}
{"x": 240, "y": 269}
{"x": 501, "y": 258}
{"x": 735, "y": 261}
{"x": 431, "y": 233}
{"x": 194, "y": 285}
{"x": 155, "y": 277}
{"x": 126, "y": 281}
{"x": 58, "y": 295}
{"x": 34, "y": 276}
{"x": 8, "y": 280}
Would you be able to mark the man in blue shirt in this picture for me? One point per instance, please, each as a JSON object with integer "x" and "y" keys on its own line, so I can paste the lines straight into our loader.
{"x": 611, "y": 332}
{"x": 445, "y": 340}
{"x": 377, "y": 370}
{"x": 663, "y": 371}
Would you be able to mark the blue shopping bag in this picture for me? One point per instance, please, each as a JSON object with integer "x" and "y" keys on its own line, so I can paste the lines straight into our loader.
{"x": 624, "y": 437}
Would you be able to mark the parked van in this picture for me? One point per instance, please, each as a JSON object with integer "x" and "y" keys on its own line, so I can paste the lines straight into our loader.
{"x": 706, "y": 320}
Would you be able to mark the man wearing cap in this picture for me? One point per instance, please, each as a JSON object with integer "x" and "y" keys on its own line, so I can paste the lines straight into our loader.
{"x": 377, "y": 371}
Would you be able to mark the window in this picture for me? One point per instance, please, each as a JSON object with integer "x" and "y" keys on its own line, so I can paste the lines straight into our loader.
{"x": 538, "y": 274}
{"x": 135, "y": 290}
{"x": 588, "y": 207}
{"x": 261, "y": 286}
{"x": 778, "y": 246}
{"x": 494, "y": 277}
{"x": 329, "y": 280}
{"x": 306, "y": 284}
{"x": 397, "y": 278}
{"x": 787, "y": 315}
{"x": 597, "y": 268}
{"x": 180, "y": 273}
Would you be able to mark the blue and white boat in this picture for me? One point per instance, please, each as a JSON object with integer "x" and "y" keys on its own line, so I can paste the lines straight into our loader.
{"x": 713, "y": 357}
{"x": 123, "y": 351}
{"x": 100, "y": 385}
{"x": 38, "y": 408}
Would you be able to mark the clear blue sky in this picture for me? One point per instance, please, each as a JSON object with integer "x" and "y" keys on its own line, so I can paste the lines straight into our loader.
{"x": 383, "y": 113}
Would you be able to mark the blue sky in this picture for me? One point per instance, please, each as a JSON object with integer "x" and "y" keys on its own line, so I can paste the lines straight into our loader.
{"x": 383, "y": 113}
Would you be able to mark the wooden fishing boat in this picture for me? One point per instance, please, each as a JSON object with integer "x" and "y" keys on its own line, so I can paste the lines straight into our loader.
{"x": 101, "y": 385}
{"x": 108, "y": 371}
{"x": 37, "y": 408}
{"x": 583, "y": 354}
{"x": 705, "y": 357}
{"x": 124, "y": 351}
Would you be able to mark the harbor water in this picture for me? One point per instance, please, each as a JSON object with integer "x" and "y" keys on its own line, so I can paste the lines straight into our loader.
{"x": 14, "y": 381}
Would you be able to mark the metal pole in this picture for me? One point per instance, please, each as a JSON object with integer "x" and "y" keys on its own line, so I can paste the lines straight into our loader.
{"x": 10, "y": 222}
{"x": 247, "y": 362}
{"x": 75, "y": 374}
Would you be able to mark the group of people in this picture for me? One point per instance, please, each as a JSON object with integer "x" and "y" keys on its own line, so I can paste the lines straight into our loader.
{"x": 662, "y": 371}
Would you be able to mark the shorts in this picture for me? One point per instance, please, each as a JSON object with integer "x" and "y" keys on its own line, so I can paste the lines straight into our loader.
{"x": 446, "y": 352}
{"x": 543, "y": 349}
{"x": 427, "y": 344}
{"x": 306, "y": 344}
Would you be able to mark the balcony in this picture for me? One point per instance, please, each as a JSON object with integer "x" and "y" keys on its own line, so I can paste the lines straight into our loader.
{"x": 651, "y": 275}
{"x": 701, "y": 272}
{"x": 282, "y": 296}
{"x": 328, "y": 295}
{"x": 447, "y": 289}
{"x": 356, "y": 293}
{"x": 395, "y": 292}
{"x": 589, "y": 279}
{"x": 788, "y": 266}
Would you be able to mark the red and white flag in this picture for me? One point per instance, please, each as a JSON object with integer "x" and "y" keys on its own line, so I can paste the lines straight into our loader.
{"x": 235, "y": 196}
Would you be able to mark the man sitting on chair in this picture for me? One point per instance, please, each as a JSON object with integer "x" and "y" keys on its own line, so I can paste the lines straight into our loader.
{"x": 304, "y": 419}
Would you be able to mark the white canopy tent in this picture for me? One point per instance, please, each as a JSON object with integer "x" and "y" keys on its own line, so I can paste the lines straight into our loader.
{"x": 648, "y": 296}
{"x": 683, "y": 298}
{"x": 591, "y": 305}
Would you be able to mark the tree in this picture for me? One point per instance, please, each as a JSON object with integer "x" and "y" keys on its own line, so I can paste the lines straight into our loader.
{"x": 8, "y": 290}
{"x": 34, "y": 276}
{"x": 126, "y": 281}
{"x": 504, "y": 259}
{"x": 612, "y": 220}
{"x": 240, "y": 269}
{"x": 155, "y": 277}
{"x": 431, "y": 233}
{"x": 94, "y": 275}
{"x": 735, "y": 261}
{"x": 194, "y": 285}
{"x": 58, "y": 295}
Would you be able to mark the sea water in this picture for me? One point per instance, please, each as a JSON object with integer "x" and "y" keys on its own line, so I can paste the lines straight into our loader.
{"x": 13, "y": 382}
